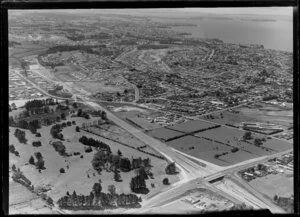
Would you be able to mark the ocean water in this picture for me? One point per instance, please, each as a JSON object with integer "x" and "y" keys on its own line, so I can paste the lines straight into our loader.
{"x": 277, "y": 35}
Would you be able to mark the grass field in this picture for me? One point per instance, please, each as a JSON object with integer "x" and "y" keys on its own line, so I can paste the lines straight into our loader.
{"x": 273, "y": 184}
{"x": 78, "y": 169}
{"x": 22, "y": 201}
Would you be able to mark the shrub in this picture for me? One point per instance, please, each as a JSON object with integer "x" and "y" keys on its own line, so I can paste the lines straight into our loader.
{"x": 88, "y": 149}
{"x": 62, "y": 170}
{"x": 31, "y": 160}
{"x": 166, "y": 181}
{"x": 36, "y": 144}
{"x": 38, "y": 134}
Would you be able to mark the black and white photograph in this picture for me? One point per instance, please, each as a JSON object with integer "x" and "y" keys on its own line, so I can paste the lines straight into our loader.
{"x": 150, "y": 111}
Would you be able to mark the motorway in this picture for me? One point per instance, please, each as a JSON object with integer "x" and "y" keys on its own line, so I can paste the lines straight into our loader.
{"x": 192, "y": 175}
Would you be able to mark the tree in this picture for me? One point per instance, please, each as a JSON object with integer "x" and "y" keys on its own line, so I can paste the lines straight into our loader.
{"x": 40, "y": 164}
{"x": 171, "y": 168}
{"x": 50, "y": 201}
{"x": 79, "y": 112}
{"x": 275, "y": 197}
{"x": 111, "y": 189}
{"x": 257, "y": 142}
{"x": 97, "y": 188}
{"x": 31, "y": 160}
{"x": 104, "y": 115}
{"x": 117, "y": 176}
{"x": 23, "y": 124}
{"x": 74, "y": 105}
{"x": 62, "y": 170}
{"x": 63, "y": 116}
{"x": 138, "y": 185}
{"x": 36, "y": 144}
{"x": 38, "y": 155}
{"x": 166, "y": 181}
{"x": 14, "y": 167}
{"x": 12, "y": 149}
{"x": 77, "y": 129}
{"x": 11, "y": 121}
{"x": 247, "y": 136}
{"x": 13, "y": 106}
{"x": 17, "y": 154}
{"x": 119, "y": 153}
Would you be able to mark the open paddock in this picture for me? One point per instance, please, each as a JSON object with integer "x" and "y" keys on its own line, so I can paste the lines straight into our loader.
{"x": 93, "y": 87}
{"x": 223, "y": 134}
{"x": 200, "y": 148}
{"x": 237, "y": 157}
{"x": 191, "y": 126}
{"x": 277, "y": 145}
{"x": 142, "y": 123}
{"x": 164, "y": 133}
{"x": 233, "y": 137}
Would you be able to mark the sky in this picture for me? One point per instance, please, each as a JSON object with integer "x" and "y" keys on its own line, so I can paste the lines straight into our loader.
{"x": 250, "y": 11}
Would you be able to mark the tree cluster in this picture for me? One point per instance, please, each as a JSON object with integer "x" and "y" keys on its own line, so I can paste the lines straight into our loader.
{"x": 20, "y": 134}
{"x": 95, "y": 143}
{"x": 83, "y": 114}
{"x": 13, "y": 150}
{"x": 40, "y": 161}
{"x": 59, "y": 147}
{"x": 247, "y": 136}
{"x": 21, "y": 179}
{"x": 55, "y": 131}
{"x": 138, "y": 185}
{"x": 98, "y": 200}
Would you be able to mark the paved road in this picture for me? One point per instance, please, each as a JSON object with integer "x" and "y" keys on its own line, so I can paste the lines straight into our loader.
{"x": 235, "y": 178}
{"x": 187, "y": 166}
{"x": 177, "y": 190}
